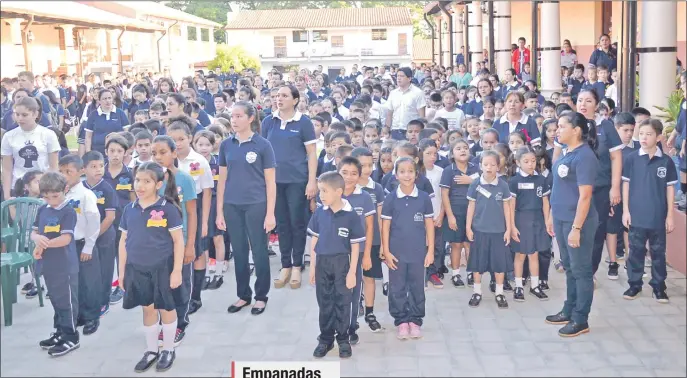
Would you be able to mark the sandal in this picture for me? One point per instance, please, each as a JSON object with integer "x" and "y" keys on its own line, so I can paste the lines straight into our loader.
{"x": 284, "y": 276}
{"x": 295, "y": 278}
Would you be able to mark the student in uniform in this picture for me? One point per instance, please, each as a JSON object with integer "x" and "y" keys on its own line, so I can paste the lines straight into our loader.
{"x": 408, "y": 243}
{"x": 649, "y": 179}
{"x": 106, "y": 200}
{"x": 529, "y": 210}
{"x": 246, "y": 198}
{"x": 86, "y": 234}
{"x": 574, "y": 219}
{"x": 390, "y": 181}
{"x": 151, "y": 255}
{"x": 545, "y": 256}
{"x": 55, "y": 252}
{"x": 514, "y": 119}
{"x": 336, "y": 233}
{"x": 165, "y": 154}
{"x": 292, "y": 136}
{"x": 140, "y": 101}
{"x": 385, "y": 164}
{"x": 103, "y": 121}
{"x": 193, "y": 163}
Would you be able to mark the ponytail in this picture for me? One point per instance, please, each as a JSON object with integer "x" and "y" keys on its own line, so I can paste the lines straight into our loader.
{"x": 590, "y": 135}
{"x": 587, "y": 127}
{"x": 158, "y": 173}
{"x": 171, "y": 193}
{"x": 19, "y": 188}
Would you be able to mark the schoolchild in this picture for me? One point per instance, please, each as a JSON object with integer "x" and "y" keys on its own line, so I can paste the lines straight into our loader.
{"x": 531, "y": 98}
{"x": 602, "y": 81}
{"x": 488, "y": 227}
{"x": 370, "y": 134}
{"x": 375, "y": 147}
{"x": 142, "y": 143}
{"x": 151, "y": 255}
{"x": 649, "y": 179}
{"x": 548, "y": 110}
{"x": 141, "y": 116}
{"x": 384, "y": 165}
{"x": 498, "y": 106}
{"x": 130, "y": 140}
{"x": 453, "y": 115}
{"x": 413, "y": 130}
{"x": 473, "y": 133}
{"x": 165, "y": 154}
{"x": 516, "y": 140}
{"x": 566, "y": 104}
{"x": 140, "y": 102}
{"x": 514, "y": 119}
{"x": 28, "y": 186}
{"x": 512, "y": 83}
{"x": 198, "y": 168}
{"x": 391, "y": 181}
{"x": 433, "y": 135}
{"x": 549, "y": 128}
{"x": 56, "y": 256}
{"x": 455, "y": 180}
{"x": 592, "y": 78}
{"x": 545, "y": 256}
{"x": 489, "y": 139}
{"x": 488, "y": 108}
{"x": 408, "y": 243}
{"x": 529, "y": 211}
{"x": 433, "y": 172}
{"x": 337, "y": 140}
{"x": 334, "y": 263}
{"x": 576, "y": 81}
{"x": 86, "y": 233}
{"x": 94, "y": 168}
{"x": 327, "y": 154}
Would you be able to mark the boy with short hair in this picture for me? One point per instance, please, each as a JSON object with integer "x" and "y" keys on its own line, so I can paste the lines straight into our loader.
{"x": 86, "y": 233}
{"x": 55, "y": 252}
{"x": 591, "y": 78}
{"x": 602, "y": 81}
{"x": 525, "y": 74}
{"x": 336, "y": 233}
{"x": 649, "y": 179}
{"x": 338, "y": 139}
{"x": 548, "y": 110}
{"x": 156, "y": 109}
{"x": 413, "y": 131}
{"x": 357, "y": 135}
{"x": 142, "y": 145}
{"x": 141, "y": 116}
{"x": 575, "y": 82}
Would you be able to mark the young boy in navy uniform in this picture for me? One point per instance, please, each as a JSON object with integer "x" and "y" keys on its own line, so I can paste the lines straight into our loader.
{"x": 650, "y": 177}
{"x": 86, "y": 235}
{"x": 334, "y": 262}
{"x": 55, "y": 252}
{"x": 106, "y": 199}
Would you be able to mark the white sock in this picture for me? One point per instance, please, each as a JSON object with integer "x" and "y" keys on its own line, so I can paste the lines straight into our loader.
{"x": 385, "y": 273}
{"x": 219, "y": 268}
{"x": 499, "y": 289}
{"x": 168, "y": 333}
{"x": 518, "y": 281}
{"x": 534, "y": 281}
{"x": 151, "y": 333}
{"x": 456, "y": 272}
{"x": 477, "y": 288}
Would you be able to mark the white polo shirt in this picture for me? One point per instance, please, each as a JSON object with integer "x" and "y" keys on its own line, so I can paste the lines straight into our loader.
{"x": 84, "y": 202}
{"x": 405, "y": 106}
{"x": 198, "y": 167}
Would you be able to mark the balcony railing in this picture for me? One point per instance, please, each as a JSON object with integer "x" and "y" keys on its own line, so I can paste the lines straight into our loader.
{"x": 282, "y": 52}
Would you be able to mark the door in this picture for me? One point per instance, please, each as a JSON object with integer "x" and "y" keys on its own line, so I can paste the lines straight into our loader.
{"x": 280, "y": 47}
{"x": 402, "y": 44}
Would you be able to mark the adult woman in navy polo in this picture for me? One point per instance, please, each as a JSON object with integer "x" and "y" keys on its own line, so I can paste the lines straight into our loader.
{"x": 574, "y": 219}
{"x": 8, "y": 122}
{"x": 514, "y": 119}
{"x": 605, "y": 54}
{"x": 292, "y": 136}
{"x": 475, "y": 107}
{"x": 246, "y": 197}
{"x": 102, "y": 121}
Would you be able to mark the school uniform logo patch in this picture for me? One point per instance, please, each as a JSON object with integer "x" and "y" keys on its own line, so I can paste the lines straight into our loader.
{"x": 418, "y": 217}
{"x": 196, "y": 170}
{"x": 563, "y": 170}
{"x": 123, "y": 184}
{"x": 181, "y": 194}
{"x": 52, "y": 225}
{"x": 251, "y": 157}
{"x": 661, "y": 172}
{"x": 499, "y": 196}
{"x": 76, "y": 205}
{"x": 157, "y": 219}
{"x": 215, "y": 175}
{"x": 359, "y": 210}
{"x": 100, "y": 198}
{"x": 343, "y": 232}
{"x": 540, "y": 191}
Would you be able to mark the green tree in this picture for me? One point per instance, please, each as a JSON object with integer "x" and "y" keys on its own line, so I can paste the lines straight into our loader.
{"x": 235, "y": 56}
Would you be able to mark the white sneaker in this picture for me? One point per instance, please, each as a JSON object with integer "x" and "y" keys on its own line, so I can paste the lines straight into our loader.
{"x": 647, "y": 262}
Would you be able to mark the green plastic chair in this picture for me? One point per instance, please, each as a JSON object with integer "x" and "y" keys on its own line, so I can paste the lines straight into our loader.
{"x": 19, "y": 247}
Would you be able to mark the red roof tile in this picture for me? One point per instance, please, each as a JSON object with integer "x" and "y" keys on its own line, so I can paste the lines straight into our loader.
{"x": 320, "y": 18}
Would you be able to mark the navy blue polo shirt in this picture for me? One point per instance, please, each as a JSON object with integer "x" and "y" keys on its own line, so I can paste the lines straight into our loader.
{"x": 572, "y": 170}
{"x": 407, "y": 213}
{"x": 209, "y": 102}
{"x": 288, "y": 139}
{"x": 214, "y": 167}
{"x": 52, "y": 223}
{"x": 44, "y": 100}
{"x": 600, "y": 89}
{"x": 422, "y": 183}
{"x": 123, "y": 185}
{"x": 609, "y": 141}
{"x": 203, "y": 118}
{"x": 361, "y": 202}
{"x": 474, "y": 108}
{"x": 529, "y": 191}
{"x": 246, "y": 163}
{"x": 458, "y": 192}
{"x": 600, "y": 57}
{"x": 134, "y": 107}
{"x": 9, "y": 124}
{"x": 648, "y": 180}
{"x": 475, "y": 147}
{"x": 148, "y": 239}
{"x": 329, "y": 166}
{"x": 575, "y": 86}
{"x": 442, "y": 162}
{"x": 106, "y": 199}
{"x": 629, "y": 148}
{"x": 377, "y": 195}
{"x": 489, "y": 198}
{"x": 336, "y": 231}
{"x": 508, "y": 88}
{"x": 101, "y": 124}
{"x": 525, "y": 124}
{"x": 498, "y": 93}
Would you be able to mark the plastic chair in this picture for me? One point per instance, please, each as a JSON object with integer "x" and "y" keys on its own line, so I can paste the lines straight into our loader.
{"x": 19, "y": 248}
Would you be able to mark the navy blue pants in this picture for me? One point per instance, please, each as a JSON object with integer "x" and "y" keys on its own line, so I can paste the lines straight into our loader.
{"x": 333, "y": 297}
{"x": 182, "y": 296}
{"x": 544, "y": 264}
{"x": 64, "y": 297}
{"x": 357, "y": 291}
{"x": 90, "y": 285}
{"x": 407, "y": 293}
{"x": 439, "y": 253}
{"x": 602, "y": 203}
{"x": 579, "y": 276}
{"x": 107, "y": 250}
{"x": 291, "y": 227}
{"x": 635, "y": 263}
{"x": 245, "y": 225}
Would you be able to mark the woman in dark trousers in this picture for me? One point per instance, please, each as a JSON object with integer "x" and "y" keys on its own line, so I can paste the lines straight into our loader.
{"x": 292, "y": 136}
{"x": 574, "y": 219}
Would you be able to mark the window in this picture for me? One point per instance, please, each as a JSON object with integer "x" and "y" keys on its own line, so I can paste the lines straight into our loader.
{"x": 337, "y": 41}
{"x": 319, "y": 36}
{"x": 379, "y": 34}
{"x": 192, "y": 33}
{"x": 280, "y": 47}
{"x": 300, "y": 36}
{"x": 205, "y": 35}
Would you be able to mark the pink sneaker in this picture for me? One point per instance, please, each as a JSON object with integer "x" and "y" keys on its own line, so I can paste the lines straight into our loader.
{"x": 403, "y": 331}
{"x": 415, "y": 332}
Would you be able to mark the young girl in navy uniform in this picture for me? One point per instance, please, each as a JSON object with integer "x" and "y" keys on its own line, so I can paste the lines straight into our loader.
{"x": 151, "y": 255}
{"x": 545, "y": 256}
{"x": 515, "y": 119}
{"x": 372, "y": 264}
{"x": 549, "y": 128}
{"x": 433, "y": 172}
{"x": 529, "y": 210}
{"x": 455, "y": 181}
{"x": 103, "y": 121}
{"x": 488, "y": 227}
{"x": 28, "y": 186}
{"x": 390, "y": 180}
{"x": 648, "y": 174}
{"x": 385, "y": 164}
{"x": 408, "y": 243}
{"x": 574, "y": 219}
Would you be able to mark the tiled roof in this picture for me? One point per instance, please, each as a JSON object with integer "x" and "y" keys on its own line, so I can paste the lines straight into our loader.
{"x": 320, "y": 18}
{"x": 422, "y": 50}
{"x": 153, "y": 8}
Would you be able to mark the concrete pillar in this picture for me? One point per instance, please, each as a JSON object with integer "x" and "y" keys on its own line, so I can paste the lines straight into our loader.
{"x": 70, "y": 54}
{"x": 503, "y": 41}
{"x": 458, "y": 35}
{"x": 112, "y": 36}
{"x": 475, "y": 35}
{"x": 550, "y": 48}
{"x": 17, "y": 44}
{"x": 657, "y": 53}
{"x": 446, "y": 42}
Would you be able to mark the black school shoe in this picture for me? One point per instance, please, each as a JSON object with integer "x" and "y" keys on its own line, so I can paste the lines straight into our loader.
{"x": 632, "y": 293}
{"x": 519, "y": 294}
{"x": 539, "y": 293}
{"x": 322, "y": 349}
{"x": 147, "y": 361}
{"x": 660, "y": 296}
{"x": 345, "y": 350}
{"x": 194, "y": 306}
{"x": 26, "y": 288}
{"x": 507, "y": 286}
{"x": 206, "y": 283}
{"x": 475, "y": 300}
{"x": 385, "y": 289}
{"x": 63, "y": 347}
{"x": 501, "y": 301}
{"x": 33, "y": 292}
{"x": 544, "y": 285}
{"x": 458, "y": 281}
{"x": 372, "y": 322}
{"x": 353, "y": 338}
{"x": 215, "y": 282}
{"x": 51, "y": 341}
{"x": 165, "y": 361}
{"x": 492, "y": 286}
{"x": 573, "y": 329}
{"x": 90, "y": 327}
{"x": 558, "y": 319}
{"x": 471, "y": 280}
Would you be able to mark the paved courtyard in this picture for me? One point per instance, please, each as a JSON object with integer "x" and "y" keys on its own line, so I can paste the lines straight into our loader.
{"x": 627, "y": 338}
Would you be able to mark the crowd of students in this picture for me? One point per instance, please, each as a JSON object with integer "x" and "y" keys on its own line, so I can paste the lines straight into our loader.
{"x": 385, "y": 177}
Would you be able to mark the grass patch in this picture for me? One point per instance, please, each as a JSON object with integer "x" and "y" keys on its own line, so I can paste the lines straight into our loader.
{"x": 71, "y": 142}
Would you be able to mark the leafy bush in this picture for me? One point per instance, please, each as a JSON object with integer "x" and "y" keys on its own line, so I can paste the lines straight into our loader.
{"x": 236, "y": 56}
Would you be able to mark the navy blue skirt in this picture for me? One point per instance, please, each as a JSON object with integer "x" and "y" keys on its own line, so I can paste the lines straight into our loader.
{"x": 614, "y": 224}
{"x": 489, "y": 253}
{"x": 533, "y": 235}
{"x": 212, "y": 225}
{"x": 458, "y": 236}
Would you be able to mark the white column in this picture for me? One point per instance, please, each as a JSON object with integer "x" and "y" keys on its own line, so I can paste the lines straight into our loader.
{"x": 457, "y": 31}
{"x": 17, "y": 44}
{"x": 657, "y": 53}
{"x": 551, "y": 48}
{"x": 70, "y": 54}
{"x": 113, "y": 35}
{"x": 503, "y": 41}
{"x": 475, "y": 35}
{"x": 446, "y": 44}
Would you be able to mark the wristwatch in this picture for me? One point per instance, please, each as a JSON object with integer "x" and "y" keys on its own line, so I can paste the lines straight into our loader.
{"x": 576, "y": 227}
